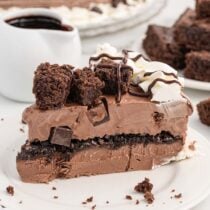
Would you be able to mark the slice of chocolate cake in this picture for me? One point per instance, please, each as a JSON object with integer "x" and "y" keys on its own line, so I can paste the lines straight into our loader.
{"x": 198, "y": 66}
{"x": 191, "y": 32}
{"x": 136, "y": 121}
{"x": 204, "y": 111}
{"x": 160, "y": 45}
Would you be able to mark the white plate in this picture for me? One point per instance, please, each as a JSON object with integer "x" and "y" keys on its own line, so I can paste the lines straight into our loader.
{"x": 189, "y": 177}
{"x": 195, "y": 84}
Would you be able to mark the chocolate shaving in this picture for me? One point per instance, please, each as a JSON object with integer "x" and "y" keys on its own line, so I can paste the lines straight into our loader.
{"x": 61, "y": 136}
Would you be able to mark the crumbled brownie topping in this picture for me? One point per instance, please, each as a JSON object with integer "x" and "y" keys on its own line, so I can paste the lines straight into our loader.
{"x": 10, "y": 190}
{"x": 128, "y": 197}
{"x": 52, "y": 85}
{"x": 178, "y": 196}
{"x": 149, "y": 197}
{"x": 106, "y": 70}
{"x": 54, "y": 188}
{"x": 144, "y": 186}
{"x": 86, "y": 87}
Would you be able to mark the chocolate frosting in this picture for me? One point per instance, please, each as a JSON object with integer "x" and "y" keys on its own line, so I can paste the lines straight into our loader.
{"x": 134, "y": 115}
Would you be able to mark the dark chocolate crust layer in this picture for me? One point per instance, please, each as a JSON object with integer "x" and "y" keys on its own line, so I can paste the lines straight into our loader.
{"x": 47, "y": 149}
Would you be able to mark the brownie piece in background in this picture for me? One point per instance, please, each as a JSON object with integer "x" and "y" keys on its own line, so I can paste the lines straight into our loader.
{"x": 52, "y": 85}
{"x": 191, "y": 32}
{"x": 204, "y": 111}
{"x": 86, "y": 87}
{"x": 106, "y": 70}
{"x": 160, "y": 45}
{"x": 203, "y": 8}
{"x": 198, "y": 66}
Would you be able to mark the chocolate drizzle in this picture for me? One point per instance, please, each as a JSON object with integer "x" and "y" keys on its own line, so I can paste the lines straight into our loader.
{"x": 165, "y": 73}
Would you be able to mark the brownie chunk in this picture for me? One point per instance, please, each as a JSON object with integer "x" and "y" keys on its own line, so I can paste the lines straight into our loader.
{"x": 203, "y": 8}
{"x": 204, "y": 111}
{"x": 52, "y": 85}
{"x": 198, "y": 66}
{"x": 160, "y": 45}
{"x": 107, "y": 69}
{"x": 193, "y": 33}
{"x": 86, "y": 87}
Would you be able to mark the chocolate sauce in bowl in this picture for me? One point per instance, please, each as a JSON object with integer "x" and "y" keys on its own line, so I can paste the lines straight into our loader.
{"x": 38, "y": 22}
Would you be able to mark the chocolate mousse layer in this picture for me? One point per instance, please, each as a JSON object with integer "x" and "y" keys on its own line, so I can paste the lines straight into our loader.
{"x": 136, "y": 115}
{"x": 44, "y": 161}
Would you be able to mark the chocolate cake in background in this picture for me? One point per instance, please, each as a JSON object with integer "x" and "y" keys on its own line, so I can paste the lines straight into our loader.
{"x": 182, "y": 46}
{"x": 121, "y": 113}
{"x": 204, "y": 111}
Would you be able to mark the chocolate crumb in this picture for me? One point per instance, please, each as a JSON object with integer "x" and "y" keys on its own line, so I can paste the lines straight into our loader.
{"x": 54, "y": 188}
{"x": 180, "y": 202}
{"x": 144, "y": 186}
{"x": 107, "y": 202}
{"x": 128, "y": 197}
{"x": 2, "y": 119}
{"x": 22, "y": 130}
{"x": 55, "y": 197}
{"x": 20, "y": 202}
{"x": 192, "y": 146}
{"x": 2, "y": 206}
{"x": 93, "y": 207}
{"x": 171, "y": 197}
{"x": 178, "y": 196}
{"x": 97, "y": 10}
{"x": 89, "y": 200}
{"x": 10, "y": 190}
{"x": 137, "y": 202}
{"x": 173, "y": 190}
{"x": 149, "y": 197}
{"x": 84, "y": 202}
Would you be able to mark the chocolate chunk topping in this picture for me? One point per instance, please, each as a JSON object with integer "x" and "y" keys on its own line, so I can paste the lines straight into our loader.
{"x": 61, "y": 136}
{"x": 144, "y": 186}
{"x": 99, "y": 113}
{"x": 10, "y": 190}
{"x": 116, "y": 77}
{"x": 86, "y": 87}
{"x": 52, "y": 85}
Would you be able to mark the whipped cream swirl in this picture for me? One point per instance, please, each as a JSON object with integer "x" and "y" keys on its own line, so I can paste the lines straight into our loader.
{"x": 155, "y": 79}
